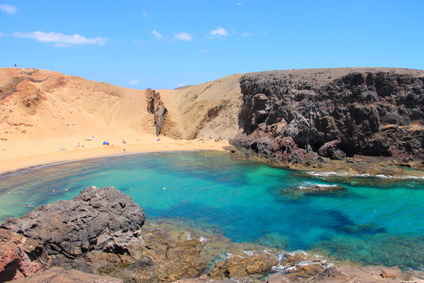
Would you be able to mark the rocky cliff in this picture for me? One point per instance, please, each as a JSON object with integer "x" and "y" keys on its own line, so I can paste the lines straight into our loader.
{"x": 301, "y": 116}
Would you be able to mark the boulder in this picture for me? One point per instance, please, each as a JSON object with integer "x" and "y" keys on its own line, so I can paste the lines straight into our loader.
{"x": 20, "y": 257}
{"x": 96, "y": 219}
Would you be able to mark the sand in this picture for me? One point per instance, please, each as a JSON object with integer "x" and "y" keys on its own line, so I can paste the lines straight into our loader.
{"x": 48, "y": 117}
{"x": 23, "y": 154}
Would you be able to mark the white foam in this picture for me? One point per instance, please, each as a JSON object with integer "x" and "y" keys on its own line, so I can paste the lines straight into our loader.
{"x": 346, "y": 174}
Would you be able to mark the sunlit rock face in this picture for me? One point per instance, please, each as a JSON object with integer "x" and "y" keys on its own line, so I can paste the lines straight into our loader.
{"x": 96, "y": 219}
{"x": 304, "y": 115}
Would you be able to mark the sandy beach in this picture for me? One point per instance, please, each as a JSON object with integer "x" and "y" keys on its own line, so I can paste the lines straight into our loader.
{"x": 49, "y": 117}
{"x": 16, "y": 155}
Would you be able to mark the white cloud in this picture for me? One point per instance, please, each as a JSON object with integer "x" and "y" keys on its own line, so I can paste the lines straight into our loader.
{"x": 219, "y": 32}
{"x": 247, "y": 34}
{"x": 133, "y": 82}
{"x": 8, "y": 8}
{"x": 144, "y": 14}
{"x": 61, "y": 40}
{"x": 183, "y": 36}
{"x": 156, "y": 34}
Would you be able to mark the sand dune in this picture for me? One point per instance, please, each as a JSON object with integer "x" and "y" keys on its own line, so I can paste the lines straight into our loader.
{"x": 51, "y": 117}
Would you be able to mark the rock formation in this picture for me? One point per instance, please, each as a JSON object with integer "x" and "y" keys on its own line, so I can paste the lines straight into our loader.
{"x": 97, "y": 219}
{"x": 300, "y": 116}
{"x": 156, "y": 107}
{"x": 59, "y": 275}
{"x": 20, "y": 257}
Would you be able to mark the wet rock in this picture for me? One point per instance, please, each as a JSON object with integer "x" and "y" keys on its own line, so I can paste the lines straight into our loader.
{"x": 321, "y": 189}
{"x": 301, "y": 265}
{"x": 312, "y": 190}
{"x": 20, "y": 257}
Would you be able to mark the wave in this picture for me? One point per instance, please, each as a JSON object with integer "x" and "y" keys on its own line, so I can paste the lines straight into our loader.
{"x": 347, "y": 174}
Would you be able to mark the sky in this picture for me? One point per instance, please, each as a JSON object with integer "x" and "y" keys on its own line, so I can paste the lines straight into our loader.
{"x": 165, "y": 44}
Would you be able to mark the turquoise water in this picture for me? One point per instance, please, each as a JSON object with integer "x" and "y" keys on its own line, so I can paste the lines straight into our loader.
{"x": 381, "y": 222}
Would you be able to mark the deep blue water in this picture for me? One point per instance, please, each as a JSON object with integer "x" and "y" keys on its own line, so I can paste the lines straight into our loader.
{"x": 376, "y": 221}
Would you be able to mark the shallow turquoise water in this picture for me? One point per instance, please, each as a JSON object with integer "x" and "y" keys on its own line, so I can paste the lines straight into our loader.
{"x": 380, "y": 223}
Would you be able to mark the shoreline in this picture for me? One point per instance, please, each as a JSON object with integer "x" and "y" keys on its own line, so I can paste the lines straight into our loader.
{"x": 18, "y": 155}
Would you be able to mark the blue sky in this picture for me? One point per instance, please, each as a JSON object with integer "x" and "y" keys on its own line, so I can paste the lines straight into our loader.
{"x": 170, "y": 43}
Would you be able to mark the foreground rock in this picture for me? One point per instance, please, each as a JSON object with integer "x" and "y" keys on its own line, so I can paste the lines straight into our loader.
{"x": 304, "y": 116}
{"x": 20, "y": 256}
{"x": 60, "y": 275}
{"x": 97, "y": 219}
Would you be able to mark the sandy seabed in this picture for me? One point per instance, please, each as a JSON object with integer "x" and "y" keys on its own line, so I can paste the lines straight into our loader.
{"x": 16, "y": 155}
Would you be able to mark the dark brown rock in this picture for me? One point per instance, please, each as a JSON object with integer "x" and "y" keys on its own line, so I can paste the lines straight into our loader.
{"x": 96, "y": 219}
{"x": 156, "y": 107}
{"x": 332, "y": 113}
{"x": 159, "y": 117}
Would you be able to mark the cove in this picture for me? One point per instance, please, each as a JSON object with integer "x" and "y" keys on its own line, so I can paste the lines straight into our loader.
{"x": 375, "y": 221}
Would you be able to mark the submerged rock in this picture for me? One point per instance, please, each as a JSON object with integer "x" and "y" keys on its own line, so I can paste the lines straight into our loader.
{"x": 315, "y": 190}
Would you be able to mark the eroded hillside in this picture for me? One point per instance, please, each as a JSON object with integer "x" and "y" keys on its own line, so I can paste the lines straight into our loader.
{"x": 38, "y": 104}
{"x": 41, "y": 104}
{"x": 301, "y": 116}
{"x": 208, "y": 111}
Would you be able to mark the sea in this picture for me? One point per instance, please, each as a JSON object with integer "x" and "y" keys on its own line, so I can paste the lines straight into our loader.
{"x": 374, "y": 220}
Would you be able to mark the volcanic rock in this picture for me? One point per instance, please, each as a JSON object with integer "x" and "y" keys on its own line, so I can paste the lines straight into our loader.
{"x": 300, "y": 115}
{"x": 96, "y": 219}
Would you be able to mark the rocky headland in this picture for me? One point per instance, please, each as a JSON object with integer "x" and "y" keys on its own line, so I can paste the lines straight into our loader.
{"x": 102, "y": 233}
{"x": 326, "y": 116}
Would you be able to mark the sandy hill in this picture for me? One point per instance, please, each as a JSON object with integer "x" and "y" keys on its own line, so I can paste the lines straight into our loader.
{"x": 208, "y": 111}
{"x": 38, "y": 104}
